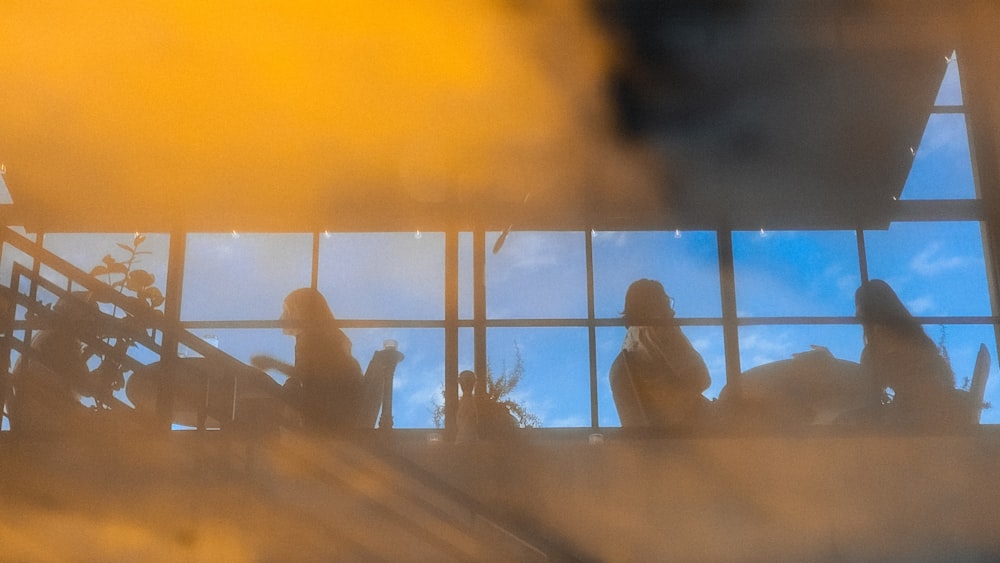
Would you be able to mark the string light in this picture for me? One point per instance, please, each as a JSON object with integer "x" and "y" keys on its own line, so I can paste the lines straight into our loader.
{"x": 763, "y": 233}
{"x": 235, "y": 234}
{"x": 326, "y": 234}
{"x": 418, "y": 235}
{"x": 677, "y": 233}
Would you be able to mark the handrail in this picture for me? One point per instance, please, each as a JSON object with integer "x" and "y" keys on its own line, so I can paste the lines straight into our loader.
{"x": 144, "y": 315}
{"x": 137, "y": 320}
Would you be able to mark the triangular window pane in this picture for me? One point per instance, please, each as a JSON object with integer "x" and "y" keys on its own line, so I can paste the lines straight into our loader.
{"x": 4, "y": 192}
{"x": 950, "y": 93}
{"x": 942, "y": 167}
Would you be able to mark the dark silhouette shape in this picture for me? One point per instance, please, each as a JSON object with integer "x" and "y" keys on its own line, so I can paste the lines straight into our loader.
{"x": 658, "y": 377}
{"x": 377, "y": 392}
{"x": 977, "y": 388}
{"x": 209, "y": 393}
{"x": 49, "y": 381}
{"x": 899, "y": 356}
{"x": 809, "y": 388}
{"x": 325, "y": 383}
{"x": 467, "y": 418}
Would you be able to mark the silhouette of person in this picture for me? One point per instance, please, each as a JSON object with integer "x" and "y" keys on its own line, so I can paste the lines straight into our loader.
{"x": 468, "y": 415}
{"x": 325, "y": 383}
{"x": 46, "y": 386}
{"x": 898, "y": 355}
{"x": 658, "y": 377}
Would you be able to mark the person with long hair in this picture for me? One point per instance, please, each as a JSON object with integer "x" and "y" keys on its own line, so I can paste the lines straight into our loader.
{"x": 658, "y": 378}
{"x": 911, "y": 382}
{"x": 325, "y": 382}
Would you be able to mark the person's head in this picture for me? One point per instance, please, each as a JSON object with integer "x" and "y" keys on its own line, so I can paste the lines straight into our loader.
{"x": 876, "y": 303}
{"x": 306, "y": 305}
{"x": 646, "y": 300}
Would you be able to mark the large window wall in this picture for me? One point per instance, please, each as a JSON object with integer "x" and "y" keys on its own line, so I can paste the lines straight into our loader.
{"x": 549, "y": 302}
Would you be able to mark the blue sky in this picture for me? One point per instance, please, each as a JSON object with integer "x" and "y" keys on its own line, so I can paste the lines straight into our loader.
{"x": 937, "y": 268}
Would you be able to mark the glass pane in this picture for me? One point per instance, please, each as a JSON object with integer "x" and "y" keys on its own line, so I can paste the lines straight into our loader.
{"x": 87, "y": 251}
{"x": 5, "y": 198}
{"x": 686, "y": 263}
{"x": 419, "y": 378}
{"x": 795, "y": 273}
{"x": 466, "y": 291}
{"x": 935, "y": 268}
{"x": 961, "y": 344}
{"x": 942, "y": 167}
{"x": 243, "y": 277}
{"x": 536, "y": 275}
{"x": 771, "y": 343}
{"x": 706, "y": 339}
{"x": 556, "y": 364}
{"x": 13, "y": 256}
{"x": 383, "y": 275}
{"x": 950, "y": 93}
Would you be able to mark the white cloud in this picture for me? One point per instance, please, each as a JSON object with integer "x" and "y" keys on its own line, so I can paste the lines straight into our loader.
{"x": 930, "y": 261}
{"x": 765, "y": 348}
{"x": 921, "y": 305}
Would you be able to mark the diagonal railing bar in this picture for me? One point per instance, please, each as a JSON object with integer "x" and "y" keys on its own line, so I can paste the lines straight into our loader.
{"x": 140, "y": 322}
{"x": 142, "y": 314}
{"x": 113, "y": 326}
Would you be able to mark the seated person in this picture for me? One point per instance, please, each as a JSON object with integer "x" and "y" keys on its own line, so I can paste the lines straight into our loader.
{"x": 325, "y": 383}
{"x": 658, "y": 378}
{"x": 898, "y": 355}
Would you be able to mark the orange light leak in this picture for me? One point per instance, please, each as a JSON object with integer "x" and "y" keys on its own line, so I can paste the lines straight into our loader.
{"x": 298, "y": 98}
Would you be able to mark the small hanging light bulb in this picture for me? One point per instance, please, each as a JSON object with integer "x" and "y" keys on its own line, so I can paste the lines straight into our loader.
{"x": 326, "y": 234}
{"x": 677, "y": 233}
{"x": 763, "y": 233}
{"x": 235, "y": 234}
{"x": 418, "y": 235}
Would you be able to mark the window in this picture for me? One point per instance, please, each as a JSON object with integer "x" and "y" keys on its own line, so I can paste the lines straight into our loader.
{"x": 383, "y": 275}
{"x": 243, "y": 276}
{"x": 686, "y": 263}
{"x": 537, "y": 275}
{"x": 795, "y": 273}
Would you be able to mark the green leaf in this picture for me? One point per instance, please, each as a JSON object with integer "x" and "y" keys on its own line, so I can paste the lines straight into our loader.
{"x": 125, "y": 247}
{"x": 117, "y": 268}
{"x": 99, "y": 270}
{"x": 109, "y": 259}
